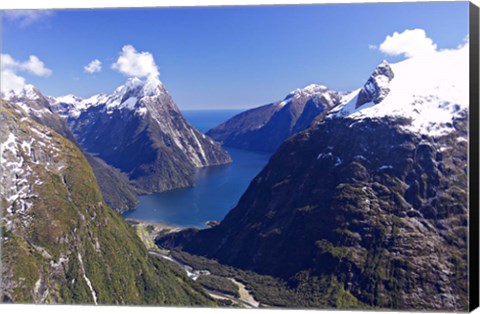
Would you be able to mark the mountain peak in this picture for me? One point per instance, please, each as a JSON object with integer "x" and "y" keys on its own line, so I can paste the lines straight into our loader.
{"x": 151, "y": 86}
{"x": 377, "y": 86}
{"x": 327, "y": 96}
{"x": 28, "y": 91}
{"x": 129, "y": 94}
{"x": 307, "y": 91}
{"x": 67, "y": 99}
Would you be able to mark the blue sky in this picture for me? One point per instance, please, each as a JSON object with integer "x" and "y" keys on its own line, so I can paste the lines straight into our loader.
{"x": 225, "y": 57}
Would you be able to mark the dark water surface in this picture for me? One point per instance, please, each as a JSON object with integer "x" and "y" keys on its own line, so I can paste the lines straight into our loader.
{"x": 216, "y": 191}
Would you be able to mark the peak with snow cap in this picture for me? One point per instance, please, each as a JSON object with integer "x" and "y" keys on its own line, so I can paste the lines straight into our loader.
{"x": 307, "y": 91}
{"x": 322, "y": 93}
{"x": 126, "y": 96}
{"x": 28, "y": 91}
{"x": 149, "y": 87}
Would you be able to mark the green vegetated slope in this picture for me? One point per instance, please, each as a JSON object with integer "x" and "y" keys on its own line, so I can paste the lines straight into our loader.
{"x": 61, "y": 243}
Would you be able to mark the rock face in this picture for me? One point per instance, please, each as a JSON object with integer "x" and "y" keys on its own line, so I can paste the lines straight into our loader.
{"x": 115, "y": 186}
{"x": 376, "y": 88}
{"x": 60, "y": 242}
{"x": 139, "y": 130}
{"x": 373, "y": 198}
{"x": 266, "y": 127}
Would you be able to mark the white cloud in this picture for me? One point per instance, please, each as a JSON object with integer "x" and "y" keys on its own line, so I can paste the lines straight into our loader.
{"x": 410, "y": 43}
{"x": 133, "y": 63}
{"x": 25, "y": 18}
{"x": 10, "y": 80}
{"x": 93, "y": 67}
{"x": 36, "y": 67}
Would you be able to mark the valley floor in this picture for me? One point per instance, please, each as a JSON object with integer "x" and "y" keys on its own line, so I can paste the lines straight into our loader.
{"x": 236, "y": 295}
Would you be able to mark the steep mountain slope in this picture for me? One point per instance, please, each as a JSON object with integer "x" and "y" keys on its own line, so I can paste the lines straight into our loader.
{"x": 116, "y": 188}
{"x": 60, "y": 242}
{"x": 265, "y": 128}
{"x": 373, "y": 197}
{"x": 139, "y": 130}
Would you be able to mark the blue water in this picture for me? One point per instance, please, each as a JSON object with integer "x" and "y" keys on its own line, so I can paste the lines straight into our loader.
{"x": 216, "y": 191}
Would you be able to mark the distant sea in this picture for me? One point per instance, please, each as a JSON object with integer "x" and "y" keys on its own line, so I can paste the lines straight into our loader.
{"x": 217, "y": 189}
{"x": 204, "y": 120}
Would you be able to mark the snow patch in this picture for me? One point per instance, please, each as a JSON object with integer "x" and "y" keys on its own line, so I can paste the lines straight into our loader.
{"x": 129, "y": 103}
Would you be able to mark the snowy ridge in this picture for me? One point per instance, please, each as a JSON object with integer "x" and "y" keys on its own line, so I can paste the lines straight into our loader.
{"x": 430, "y": 91}
{"x": 126, "y": 96}
{"x": 68, "y": 99}
{"x": 29, "y": 91}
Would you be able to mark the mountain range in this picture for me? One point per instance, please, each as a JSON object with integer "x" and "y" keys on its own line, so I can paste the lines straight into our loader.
{"x": 370, "y": 200}
{"x": 363, "y": 204}
{"x": 60, "y": 242}
{"x": 61, "y": 239}
{"x": 136, "y": 140}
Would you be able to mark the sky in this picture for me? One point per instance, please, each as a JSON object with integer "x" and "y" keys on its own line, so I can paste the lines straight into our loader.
{"x": 221, "y": 57}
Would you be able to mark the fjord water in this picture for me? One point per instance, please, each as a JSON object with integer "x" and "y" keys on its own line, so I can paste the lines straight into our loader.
{"x": 217, "y": 189}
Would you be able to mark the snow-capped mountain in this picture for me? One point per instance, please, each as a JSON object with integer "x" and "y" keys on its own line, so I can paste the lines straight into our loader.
{"x": 372, "y": 198}
{"x": 266, "y": 127}
{"x": 427, "y": 91}
{"x": 139, "y": 130}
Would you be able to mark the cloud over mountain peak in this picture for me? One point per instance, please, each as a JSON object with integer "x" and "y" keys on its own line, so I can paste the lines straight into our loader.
{"x": 136, "y": 64}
